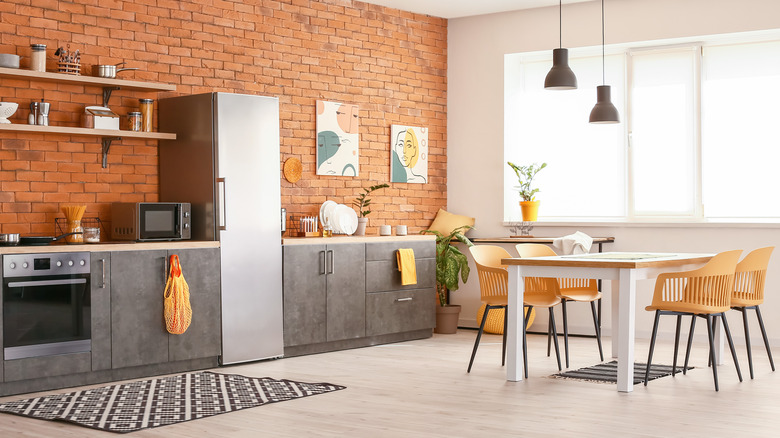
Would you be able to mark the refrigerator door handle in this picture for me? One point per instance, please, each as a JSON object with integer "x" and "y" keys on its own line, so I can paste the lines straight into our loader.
{"x": 221, "y": 203}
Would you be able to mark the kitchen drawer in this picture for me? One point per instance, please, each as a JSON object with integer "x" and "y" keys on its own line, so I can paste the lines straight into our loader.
{"x": 400, "y": 311}
{"x": 47, "y": 366}
{"x": 386, "y": 250}
{"x": 383, "y": 275}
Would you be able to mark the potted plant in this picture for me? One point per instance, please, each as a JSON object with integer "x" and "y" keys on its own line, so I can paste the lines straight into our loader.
{"x": 363, "y": 203}
{"x": 525, "y": 176}
{"x": 452, "y": 266}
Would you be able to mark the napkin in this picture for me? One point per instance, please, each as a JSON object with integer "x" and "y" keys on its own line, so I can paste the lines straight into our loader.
{"x": 577, "y": 243}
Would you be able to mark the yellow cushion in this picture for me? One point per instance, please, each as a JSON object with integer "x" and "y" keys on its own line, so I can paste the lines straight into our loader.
{"x": 445, "y": 222}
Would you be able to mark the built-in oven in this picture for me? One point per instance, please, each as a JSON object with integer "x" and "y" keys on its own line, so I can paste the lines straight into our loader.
{"x": 46, "y": 304}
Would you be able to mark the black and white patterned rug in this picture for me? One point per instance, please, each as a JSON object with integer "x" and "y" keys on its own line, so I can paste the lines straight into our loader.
{"x": 607, "y": 372}
{"x": 158, "y": 402}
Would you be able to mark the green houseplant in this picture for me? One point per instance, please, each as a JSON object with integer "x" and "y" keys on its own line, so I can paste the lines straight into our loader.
{"x": 363, "y": 204}
{"x": 525, "y": 177}
{"x": 452, "y": 266}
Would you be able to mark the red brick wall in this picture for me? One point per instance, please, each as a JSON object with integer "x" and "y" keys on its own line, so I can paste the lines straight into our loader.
{"x": 391, "y": 63}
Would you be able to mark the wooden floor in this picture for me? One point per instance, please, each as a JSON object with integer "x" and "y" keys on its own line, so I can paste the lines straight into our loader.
{"x": 421, "y": 389}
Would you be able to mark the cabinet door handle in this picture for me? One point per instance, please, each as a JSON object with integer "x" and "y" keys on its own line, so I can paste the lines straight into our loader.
{"x": 332, "y": 264}
{"x": 165, "y": 270}
{"x": 222, "y": 204}
{"x": 323, "y": 264}
{"x": 103, "y": 269}
{"x": 404, "y": 299}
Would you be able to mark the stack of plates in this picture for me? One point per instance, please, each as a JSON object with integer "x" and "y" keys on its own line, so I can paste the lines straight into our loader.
{"x": 342, "y": 219}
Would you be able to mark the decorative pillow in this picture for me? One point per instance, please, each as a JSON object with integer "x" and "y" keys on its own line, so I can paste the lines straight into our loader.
{"x": 445, "y": 222}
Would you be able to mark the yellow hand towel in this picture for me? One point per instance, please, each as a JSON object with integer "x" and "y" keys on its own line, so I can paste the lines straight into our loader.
{"x": 406, "y": 265}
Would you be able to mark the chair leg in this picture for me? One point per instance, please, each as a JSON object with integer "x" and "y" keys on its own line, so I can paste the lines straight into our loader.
{"x": 676, "y": 344}
{"x": 565, "y": 331}
{"x": 479, "y": 335}
{"x": 503, "y": 340}
{"x": 525, "y": 344}
{"x": 597, "y": 324}
{"x": 747, "y": 339}
{"x": 549, "y": 336}
{"x": 690, "y": 342}
{"x": 731, "y": 344}
{"x": 766, "y": 340}
{"x": 555, "y": 338}
{"x": 712, "y": 350}
{"x": 652, "y": 345}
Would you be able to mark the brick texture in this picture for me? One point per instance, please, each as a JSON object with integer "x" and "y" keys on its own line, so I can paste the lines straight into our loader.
{"x": 391, "y": 63}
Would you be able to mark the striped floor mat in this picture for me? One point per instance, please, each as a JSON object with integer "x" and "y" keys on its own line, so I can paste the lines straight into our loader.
{"x": 607, "y": 372}
{"x": 158, "y": 402}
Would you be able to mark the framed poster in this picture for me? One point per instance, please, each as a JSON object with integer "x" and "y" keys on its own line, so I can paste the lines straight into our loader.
{"x": 408, "y": 154}
{"x": 337, "y": 138}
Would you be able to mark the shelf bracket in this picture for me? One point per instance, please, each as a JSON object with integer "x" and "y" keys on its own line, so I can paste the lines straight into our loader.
{"x": 106, "y": 146}
{"x": 107, "y": 95}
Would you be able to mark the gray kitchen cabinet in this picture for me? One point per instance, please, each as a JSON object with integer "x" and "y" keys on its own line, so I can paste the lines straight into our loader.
{"x": 324, "y": 293}
{"x": 138, "y": 334}
{"x": 390, "y": 306}
{"x": 100, "y": 283}
{"x": 201, "y": 270}
{"x": 305, "y": 294}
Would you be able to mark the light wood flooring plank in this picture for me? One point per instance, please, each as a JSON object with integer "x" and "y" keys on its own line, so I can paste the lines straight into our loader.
{"x": 421, "y": 389}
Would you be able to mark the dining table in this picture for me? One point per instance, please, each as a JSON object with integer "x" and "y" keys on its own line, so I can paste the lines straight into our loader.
{"x": 622, "y": 269}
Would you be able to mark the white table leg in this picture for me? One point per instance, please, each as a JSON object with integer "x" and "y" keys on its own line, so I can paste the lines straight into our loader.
{"x": 514, "y": 338}
{"x": 720, "y": 340}
{"x": 615, "y": 298}
{"x": 625, "y": 330}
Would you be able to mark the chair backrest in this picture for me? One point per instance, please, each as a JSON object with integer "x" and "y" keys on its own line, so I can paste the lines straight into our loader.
{"x": 538, "y": 285}
{"x": 750, "y": 277}
{"x": 704, "y": 290}
{"x": 493, "y": 276}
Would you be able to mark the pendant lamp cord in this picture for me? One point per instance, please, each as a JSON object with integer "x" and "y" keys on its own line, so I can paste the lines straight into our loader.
{"x": 603, "y": 75}
{"x": 560, "y": 23}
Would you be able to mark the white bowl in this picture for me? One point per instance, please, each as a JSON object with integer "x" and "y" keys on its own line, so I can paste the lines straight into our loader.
{"x": 7, "y": 109}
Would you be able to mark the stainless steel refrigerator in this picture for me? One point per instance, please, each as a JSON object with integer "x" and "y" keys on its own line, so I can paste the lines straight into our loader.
{"x": 225, "y": 162}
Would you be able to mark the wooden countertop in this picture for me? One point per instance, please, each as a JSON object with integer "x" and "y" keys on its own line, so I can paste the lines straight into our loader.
{"x": 354, "y": 239}
{"x": 107, "y": 246}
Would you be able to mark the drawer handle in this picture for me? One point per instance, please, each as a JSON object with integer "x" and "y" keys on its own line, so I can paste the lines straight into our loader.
{"x": 404, "y": 299}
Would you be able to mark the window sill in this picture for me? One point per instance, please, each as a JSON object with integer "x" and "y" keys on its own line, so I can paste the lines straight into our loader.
{"x": 652, "y": 224}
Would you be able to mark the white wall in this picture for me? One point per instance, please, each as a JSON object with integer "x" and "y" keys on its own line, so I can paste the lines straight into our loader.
{"x": 475, "y": 167}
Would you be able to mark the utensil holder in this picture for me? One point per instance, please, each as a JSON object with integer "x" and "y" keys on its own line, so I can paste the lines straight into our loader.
{"x": 70, "y": 68}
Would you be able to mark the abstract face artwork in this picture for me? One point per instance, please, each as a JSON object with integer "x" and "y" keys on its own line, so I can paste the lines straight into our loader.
{"x": 337, "y": 138}
{"x": 409, "y": 154}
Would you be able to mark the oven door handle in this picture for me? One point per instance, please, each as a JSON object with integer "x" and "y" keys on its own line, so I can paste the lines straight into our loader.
{"x": 47, "y": 282}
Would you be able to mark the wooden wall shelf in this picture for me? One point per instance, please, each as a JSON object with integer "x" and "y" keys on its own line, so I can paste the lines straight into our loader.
{"x": 16, "y": 73}
{"x": 72, "y": 130}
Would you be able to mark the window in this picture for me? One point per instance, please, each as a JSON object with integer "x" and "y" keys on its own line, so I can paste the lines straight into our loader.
{"x": 697, "y": 138}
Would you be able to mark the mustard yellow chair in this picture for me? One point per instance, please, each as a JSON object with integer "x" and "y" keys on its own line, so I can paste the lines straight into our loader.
{"x": 493, "y": 286}
{"x": 750, "y": 278}
{"x": 582, "y": 290}
{"x": 705, "y": 293}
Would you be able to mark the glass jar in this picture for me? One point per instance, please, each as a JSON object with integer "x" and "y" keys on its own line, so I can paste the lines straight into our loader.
{"x": 134, "y": 120}
{"x": 92, "y": 235}
{"x": 38, "y": 57}
{"x": 146, "y": 114}
{"x": 327, "y": 230}
{"x": 75, "y": 227}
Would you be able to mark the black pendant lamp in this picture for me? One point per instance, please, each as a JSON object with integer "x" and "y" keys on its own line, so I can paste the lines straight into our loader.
{"x": 604, "y": 111}
{"x": 560, "y": 76}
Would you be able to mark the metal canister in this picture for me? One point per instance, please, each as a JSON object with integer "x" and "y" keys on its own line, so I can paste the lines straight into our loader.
{"x": 135, "y": 119}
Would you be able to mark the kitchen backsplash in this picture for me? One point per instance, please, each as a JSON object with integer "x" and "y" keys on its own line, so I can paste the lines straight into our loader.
{"x": 391, "y": 64}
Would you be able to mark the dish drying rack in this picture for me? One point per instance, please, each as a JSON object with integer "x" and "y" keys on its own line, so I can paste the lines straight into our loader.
{"x": 303, "y": 226}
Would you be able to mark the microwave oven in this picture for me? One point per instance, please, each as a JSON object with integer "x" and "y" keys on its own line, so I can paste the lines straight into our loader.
{"x": 150, "y": 221}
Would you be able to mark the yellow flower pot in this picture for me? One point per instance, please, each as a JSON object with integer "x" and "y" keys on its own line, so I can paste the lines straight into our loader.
{"x": 530, "y": 209}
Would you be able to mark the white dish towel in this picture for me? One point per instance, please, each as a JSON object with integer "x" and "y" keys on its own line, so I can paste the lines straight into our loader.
{"x": 577, "y": 243}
